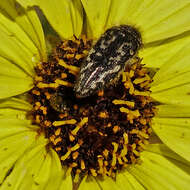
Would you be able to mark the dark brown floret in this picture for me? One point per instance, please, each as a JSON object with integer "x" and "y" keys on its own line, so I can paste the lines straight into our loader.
{"x": 99, "y": 134}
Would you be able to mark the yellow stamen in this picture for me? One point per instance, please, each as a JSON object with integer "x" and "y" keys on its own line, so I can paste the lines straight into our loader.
{"x": 131, "y": 73}
{"x": 124, "y": 77}
{"x": 69, "y": 49}
{"x": 79, "y": 125}
{"x": 142, "y": 121}
{"x": 136, "y": 153}
{"x": 133, "y": 146}
{"x": 79, "y": 56}
{"x": 36, "y": 92}
{"x": 105, "y": 163}
{"x": 73, "y": 165}
{"x": 124, "y": 151}
{"x": 69, "y": 56}
{"x": 103, "y": 115}
{"x": 85, "y": 52}
{"x": 124, "y": 110}
{"x": 145, "y": 84}
{"x": 100, "y": 162}
{"x": 47, "y": 123}
{"x": 58, "y": 148}
{"x": 109, "y": 125}
{"x": 65, "y": 122}
{"x": 82, "y": 164}
{"x": 120, "y": 160}
{"x": 77, "y": 146}
{"x": 115, "y": 147}
{"x": 71, "y": 137}
{"x": 75, "y": 155}
{"x": 125, "y": 136}
{"x": 59, "y": 139}
{"x": 38, "y": 104}
{"x": 61, "y": 116}
{"x": 116, "y": 128}
{"x": 44, "y": 110}
{"x": 114, "y": 160}
{"x": 66, "y": 155}
{"x": 64, "y": 83}
{"x": 142, "y": 145}
{"x": 141, "y": 80}
{"x": 38, "y": 119}
{"x": 93, "y": 172}
{"x": 75, "y": 106}
{"x": 48, "y": 96}
{"x": 142, "y": 134}
{"x": 58, "y": 131}
{"x": 138, "y": 93}
{"x": 131, "y": 90}
{"x": 76, "y": 178}
{"x": 63, "y": 75}
{"x": 71, "y": 68}
{"x": 133, "y": 114}
{"x": 105, "y": 153}
{"x": 128, "y": 103}
{"x": 100, "y": 93}
{"x": 38, "y": 78}
{"x": 45, "y": 85}
{"x": 52, "y": 138}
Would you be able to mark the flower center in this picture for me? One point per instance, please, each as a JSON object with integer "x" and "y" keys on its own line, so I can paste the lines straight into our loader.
{"x": 95, "y": 135}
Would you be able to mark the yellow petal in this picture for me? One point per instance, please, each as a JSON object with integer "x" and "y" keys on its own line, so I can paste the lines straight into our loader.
{"x": 127, "y": 181}
{"x": 10, "y": 126}
{"x": 174, "y": 72}
{"x": 97, "y": 13}
{"x": 66, "y": 181}
{"x": 12, "y": 148}
{"x": 124, "y": 180}
{"x": 14, "y": 108}
{"x": 158, "y": 54}
{"x": 158, "y": 172}
{"x": 175, "y": 133}
{"x": 173, "y": 111}
{"x": 43, "y": 175}
{"x": 25, "y": 27}
{"x": 179, "y": 95}
{"x": 22, "y": 33}
{"x": 66, "y": 16}
{"x": 56, "y": 174}
{"x": 170, "y": 155}
{"x": 156, "y": 19}
{"x": 15, "y": 103}
{"x": 27, "y": 167}
{"x": 89, "y": 183}
{"x": 12, "y": 86}
{"x": 22, "y": 45}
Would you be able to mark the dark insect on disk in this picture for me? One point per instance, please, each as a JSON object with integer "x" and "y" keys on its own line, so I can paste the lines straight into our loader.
{"x": 107, "y": 59}
{"x": 59, "y": 103}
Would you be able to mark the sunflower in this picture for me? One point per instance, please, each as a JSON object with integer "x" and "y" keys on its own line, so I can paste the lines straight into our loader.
{"x": 40, "y": 149}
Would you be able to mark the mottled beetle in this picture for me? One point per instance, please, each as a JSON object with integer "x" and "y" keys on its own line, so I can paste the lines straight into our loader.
{"x": 107, "y": 59}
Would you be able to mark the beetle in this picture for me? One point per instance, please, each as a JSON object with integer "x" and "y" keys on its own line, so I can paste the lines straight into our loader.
{"x": 58, "y": 103}
{"x": 107, "y": 59}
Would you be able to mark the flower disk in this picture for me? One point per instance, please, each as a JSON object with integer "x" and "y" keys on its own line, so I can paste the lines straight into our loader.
{"x": 102, "y": 133}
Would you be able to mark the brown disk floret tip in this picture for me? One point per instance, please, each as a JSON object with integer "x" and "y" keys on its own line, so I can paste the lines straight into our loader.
{"x": 97, "y": 135}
